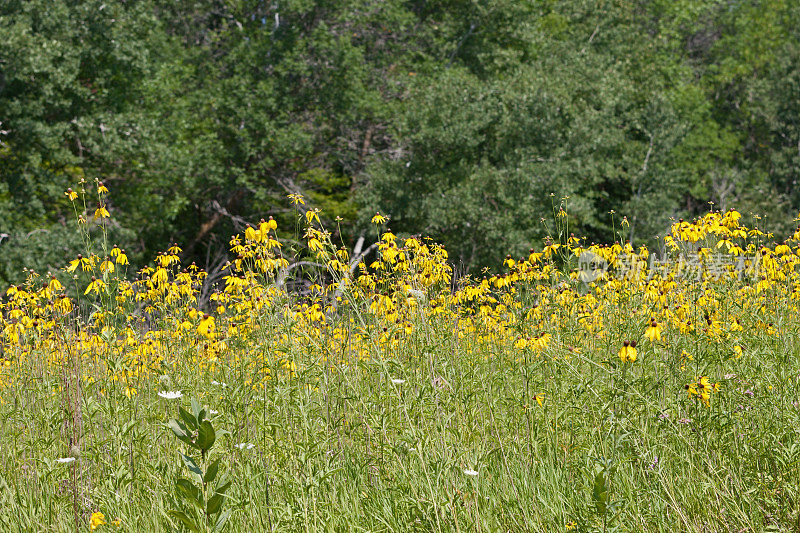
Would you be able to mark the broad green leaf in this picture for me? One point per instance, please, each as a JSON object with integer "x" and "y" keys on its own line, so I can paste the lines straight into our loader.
{"x": 224, "y": 487}
{"x": 600, "y": 493}
{"x": 188, "y": 418}
{"x": 214, "y": 504}
{"x": 206, "y": 436}
{"x": 185, "y": 520}
{"x": 211, "y": 472}
{"x": 197, "y": 409}
{"x": 190, "y": 492}
{"x": 192, "y": 466}
{"x": 180, "y": 431}
{"x": 177, "y": 428}
{"x": 222, "y": 520}
{"x": 224, "y": 483}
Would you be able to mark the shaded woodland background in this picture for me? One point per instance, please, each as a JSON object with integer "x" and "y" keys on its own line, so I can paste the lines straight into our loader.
{"x": 467, "y": 121}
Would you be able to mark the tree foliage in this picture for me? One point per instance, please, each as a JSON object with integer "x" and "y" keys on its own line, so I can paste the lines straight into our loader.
{"x": 465, "y": 120}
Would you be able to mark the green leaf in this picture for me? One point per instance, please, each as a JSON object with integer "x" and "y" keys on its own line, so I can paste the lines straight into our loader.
{"x": 223, "y": 487}
{"x": 180, "y": 431}
{"x": 214, "y": 504}
{"x": 177, "y": 428}
{"x": 224, "y": 483}
{"x": 190, "y": 492}
{"x": 206, "y": 436}
{"x": 188, "y": 418}
{"x": 600, "y": 493}
{"x": 198, "y": 411}
{"x": 211, "y": 472}
{"x": 192, "y": 466}
{"x": 223, "y": 518}
{"x": 185, "y": 520}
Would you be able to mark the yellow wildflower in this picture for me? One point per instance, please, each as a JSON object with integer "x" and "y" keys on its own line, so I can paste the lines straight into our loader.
{"x": 653, "y": 332}
{"x": 297, "y": 199}
{"x": 101, "y": 212}
{"x": 628, "y": 352}
{"x": 206, "y": 327}
{"x": 96, "y": 520}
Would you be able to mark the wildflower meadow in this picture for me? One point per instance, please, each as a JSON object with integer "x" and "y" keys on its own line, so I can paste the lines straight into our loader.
{"x": 583, "y": 387}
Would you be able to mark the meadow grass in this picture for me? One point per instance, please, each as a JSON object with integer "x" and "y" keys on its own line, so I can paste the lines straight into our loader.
{"x": 394, "y": 398}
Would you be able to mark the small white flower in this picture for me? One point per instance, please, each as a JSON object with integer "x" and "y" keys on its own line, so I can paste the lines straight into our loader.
{"x": 220, "y": 383}
{"x": 170, "y": 394}
{"x": 398, "y": 381}
{"x": 65, "y": 460}
{"x": 469, "y": 472}
{"x": 246, "y": 446}
{"x": 213, "y": 412}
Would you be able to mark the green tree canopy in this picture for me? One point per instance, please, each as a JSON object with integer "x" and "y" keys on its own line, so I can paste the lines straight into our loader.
{"x": 465, "y": 120}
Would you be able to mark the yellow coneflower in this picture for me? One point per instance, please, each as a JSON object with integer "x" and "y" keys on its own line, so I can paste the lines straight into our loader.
{"x": 702, "y": 389}
{"x": 206, "y": 327}
{"x": 265, "y": 226}
{"x": 628, "y": 352}
{"x": 539, "y": 398}
{"x": 653, "y": 332}
{"x": 95, "y": 286}
{"x": 101, "y": 212}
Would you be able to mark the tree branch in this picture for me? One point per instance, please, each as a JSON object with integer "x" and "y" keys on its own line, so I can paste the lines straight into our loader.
{"x": 210, "y": 224}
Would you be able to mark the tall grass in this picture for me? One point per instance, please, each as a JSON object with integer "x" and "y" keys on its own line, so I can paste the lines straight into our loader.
{"x": 395, "y": 402}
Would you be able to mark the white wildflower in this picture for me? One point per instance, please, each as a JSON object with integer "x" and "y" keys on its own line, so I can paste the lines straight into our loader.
{"x": 170, "y": 394}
